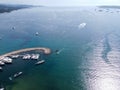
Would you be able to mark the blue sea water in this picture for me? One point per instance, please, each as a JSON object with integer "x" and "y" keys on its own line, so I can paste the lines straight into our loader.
{"x": 89, "y": 59}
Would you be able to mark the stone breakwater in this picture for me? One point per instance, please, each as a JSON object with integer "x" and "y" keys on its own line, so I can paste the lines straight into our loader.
{"x": 45, "y": 50}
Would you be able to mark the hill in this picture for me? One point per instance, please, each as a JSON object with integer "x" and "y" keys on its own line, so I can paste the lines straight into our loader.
{"x": 9, "y": 8}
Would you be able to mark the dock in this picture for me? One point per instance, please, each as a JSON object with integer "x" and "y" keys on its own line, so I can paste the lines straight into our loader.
{"x": 8, "y": 57}
{"x": 45, "y": 51}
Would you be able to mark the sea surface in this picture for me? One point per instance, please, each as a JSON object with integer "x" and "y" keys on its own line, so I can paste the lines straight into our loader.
{"x": 89, "y": 57}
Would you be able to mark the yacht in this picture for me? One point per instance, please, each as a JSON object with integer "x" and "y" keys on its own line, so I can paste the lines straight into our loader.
{"x": 27, "y": 56}
{"x": 35, "y": 56}
{"x": 14, "y": 56}
{"x": 17, "y": 74}
{"x": 10, "y": 78}
{"x": 6, "y": 60}
{"x": 40, "y": 62}
{"x": 2, "y": 63}
{"x": 1, "y": 68}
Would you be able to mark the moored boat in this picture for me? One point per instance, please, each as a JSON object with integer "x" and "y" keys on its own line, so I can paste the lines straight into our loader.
{"x": 6, "y": 60}
{"x": 26, "y": 57}
{"x": 14, "y": 56}
{"x": 2, "y": 63}
{"x": 1, "y": 68}
{"x": 35, "y": 56}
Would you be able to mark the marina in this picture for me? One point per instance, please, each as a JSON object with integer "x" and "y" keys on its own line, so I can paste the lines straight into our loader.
{"x": 9, "y": 57}
{"x": 45, "y": 50}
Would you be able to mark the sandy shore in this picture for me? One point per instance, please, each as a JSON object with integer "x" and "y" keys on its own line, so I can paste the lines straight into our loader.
{"x": 45, "y": 50}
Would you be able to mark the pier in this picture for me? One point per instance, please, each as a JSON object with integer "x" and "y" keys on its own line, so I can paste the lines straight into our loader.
{"x": 5, "y": 57}
{"x": 45, "y": 50}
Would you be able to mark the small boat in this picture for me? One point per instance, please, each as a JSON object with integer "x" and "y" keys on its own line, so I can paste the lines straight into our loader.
{"x": 14, "y": 56}
{"x": 57, "y": 51}
{"x": 2, "y": 63}
{"x": 40, "y": 62}
{"x": 10, "y": 78}
{"x": 2, "y": 88}
{"x": 1, "y": 68}
{"x": 7, "y": 60}
{"x": 36, "y": 33}
{"x": 26, "y": 57}
{"x": 35, "y": 56}
{"x": 17, "y": 74}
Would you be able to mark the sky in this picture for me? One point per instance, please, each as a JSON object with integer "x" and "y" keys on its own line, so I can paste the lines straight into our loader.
{"x": 62, "y": 2}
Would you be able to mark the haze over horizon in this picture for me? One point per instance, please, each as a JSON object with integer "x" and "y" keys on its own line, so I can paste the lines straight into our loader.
{"x": 62, "y": 2}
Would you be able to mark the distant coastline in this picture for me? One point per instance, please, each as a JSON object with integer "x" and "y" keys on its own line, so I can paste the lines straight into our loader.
{"x": 111, "y": 7}
{"x": 8, "y": 7}
{"x": 45, "y": 50}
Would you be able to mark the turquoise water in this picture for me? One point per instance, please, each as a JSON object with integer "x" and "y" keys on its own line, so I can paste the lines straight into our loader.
{"x": 89, "y": 59}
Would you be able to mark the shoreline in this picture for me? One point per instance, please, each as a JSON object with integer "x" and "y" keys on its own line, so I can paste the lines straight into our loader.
{"x": 45, "y": 50}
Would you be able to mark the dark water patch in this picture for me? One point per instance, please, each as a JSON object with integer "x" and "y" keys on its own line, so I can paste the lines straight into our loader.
{"x": 8, "y": 8}
{"x": 106, "y": 50}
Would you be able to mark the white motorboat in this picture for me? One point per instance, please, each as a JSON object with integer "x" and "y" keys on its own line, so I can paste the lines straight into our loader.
{"x": 17, "y": 74}
{"x": 40, "y": 62}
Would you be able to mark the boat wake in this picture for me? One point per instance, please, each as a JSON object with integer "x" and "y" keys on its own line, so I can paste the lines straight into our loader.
{"x": 59, "y": 51}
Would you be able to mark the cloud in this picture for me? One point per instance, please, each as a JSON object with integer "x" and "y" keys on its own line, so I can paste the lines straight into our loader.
{"x": 62, "y": 2}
